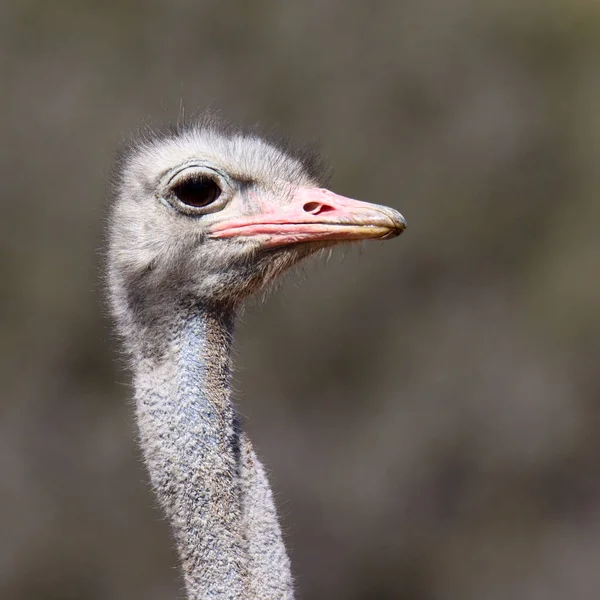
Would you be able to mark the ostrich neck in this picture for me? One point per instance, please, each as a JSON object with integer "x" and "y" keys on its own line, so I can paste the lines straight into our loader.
{"x": 202, "y": 467}
{"x": 191, "y": 442}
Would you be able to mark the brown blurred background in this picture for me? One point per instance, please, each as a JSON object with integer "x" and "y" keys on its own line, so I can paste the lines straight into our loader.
{"x": 429, "y": 408}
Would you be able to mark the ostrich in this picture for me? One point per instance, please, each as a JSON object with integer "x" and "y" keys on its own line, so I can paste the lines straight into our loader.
{"x": 204, "y": 217}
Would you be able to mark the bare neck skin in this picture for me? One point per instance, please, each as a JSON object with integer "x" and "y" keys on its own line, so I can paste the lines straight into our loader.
{"x": 202, "y": 466}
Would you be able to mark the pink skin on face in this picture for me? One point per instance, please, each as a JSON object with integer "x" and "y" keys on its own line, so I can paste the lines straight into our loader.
{"x": 315, "y": 214}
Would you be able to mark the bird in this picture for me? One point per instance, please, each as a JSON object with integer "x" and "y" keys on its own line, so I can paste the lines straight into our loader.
{"x": 204, "y": 216}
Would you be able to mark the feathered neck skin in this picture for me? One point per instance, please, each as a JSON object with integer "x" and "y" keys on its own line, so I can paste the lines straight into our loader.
{"x": 202, "y": 466}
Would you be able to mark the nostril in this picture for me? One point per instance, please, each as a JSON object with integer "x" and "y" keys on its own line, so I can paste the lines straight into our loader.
{"x": 317, "y": 208}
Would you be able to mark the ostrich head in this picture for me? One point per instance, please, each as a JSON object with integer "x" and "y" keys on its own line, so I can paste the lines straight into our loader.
{"x": 209, "y": 215}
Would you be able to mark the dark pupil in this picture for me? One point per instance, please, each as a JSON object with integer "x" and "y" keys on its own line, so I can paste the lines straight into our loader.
{"x": 200, "y": 191}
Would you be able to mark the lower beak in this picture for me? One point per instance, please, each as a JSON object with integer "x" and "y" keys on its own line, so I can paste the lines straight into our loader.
{"x": 315, "y": 214}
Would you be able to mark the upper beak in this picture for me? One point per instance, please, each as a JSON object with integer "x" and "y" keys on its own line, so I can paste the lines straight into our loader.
{"x": 315, "y": 214}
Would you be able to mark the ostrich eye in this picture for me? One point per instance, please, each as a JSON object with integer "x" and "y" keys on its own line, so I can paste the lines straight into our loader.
{"x": 197, "y": 191}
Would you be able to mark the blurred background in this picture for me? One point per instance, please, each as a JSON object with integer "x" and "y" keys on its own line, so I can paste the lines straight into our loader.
{"x": 428, "y": 408}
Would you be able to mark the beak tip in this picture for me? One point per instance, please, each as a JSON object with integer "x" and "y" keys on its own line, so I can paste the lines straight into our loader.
{"x": 398, "y": 226}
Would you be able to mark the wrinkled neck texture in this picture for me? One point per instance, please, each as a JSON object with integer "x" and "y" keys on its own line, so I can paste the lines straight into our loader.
{"x": 202, "y": 466}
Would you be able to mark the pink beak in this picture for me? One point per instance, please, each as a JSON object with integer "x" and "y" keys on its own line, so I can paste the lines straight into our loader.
{"x": 315, "y": 214}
